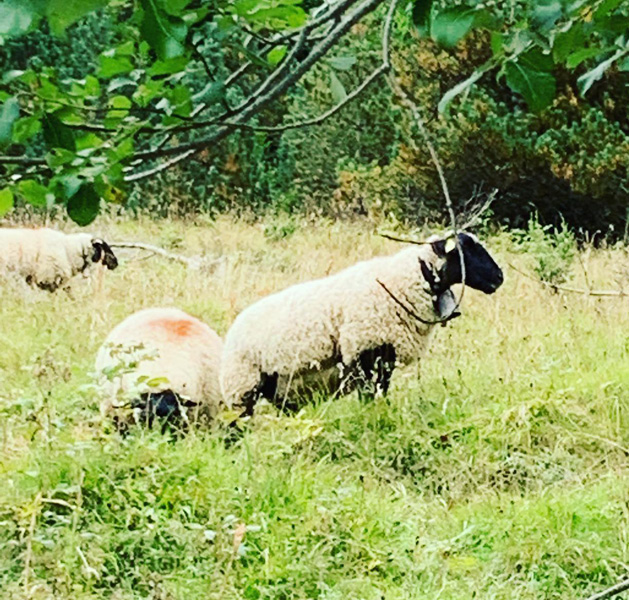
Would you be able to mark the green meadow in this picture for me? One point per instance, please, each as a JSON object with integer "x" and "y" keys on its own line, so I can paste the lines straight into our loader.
{"x": 496, "y": 468}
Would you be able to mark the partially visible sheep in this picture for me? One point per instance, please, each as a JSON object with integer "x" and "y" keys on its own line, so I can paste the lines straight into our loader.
{"x": 159, "y": 362}
{"x": 48, "y": 258}
{"x": 351, "y": 329}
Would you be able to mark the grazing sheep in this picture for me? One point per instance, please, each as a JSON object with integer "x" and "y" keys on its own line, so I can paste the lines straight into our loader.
{"x": 48, "y": 258}
{"x": 157, "y": 363}
{"x": 351, "y": 329}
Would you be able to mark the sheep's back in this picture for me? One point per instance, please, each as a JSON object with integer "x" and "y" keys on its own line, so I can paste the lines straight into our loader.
{"x": 177, "y": 351}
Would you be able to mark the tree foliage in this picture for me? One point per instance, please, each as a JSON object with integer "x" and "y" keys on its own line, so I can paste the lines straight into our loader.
{"x": 181, "y": 75}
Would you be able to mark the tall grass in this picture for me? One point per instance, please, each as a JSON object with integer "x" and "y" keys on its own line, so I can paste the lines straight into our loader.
{"x": 497, "y": 468}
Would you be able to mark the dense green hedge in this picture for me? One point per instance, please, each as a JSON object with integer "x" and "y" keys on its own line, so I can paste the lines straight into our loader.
{"x": 569, "y": 161}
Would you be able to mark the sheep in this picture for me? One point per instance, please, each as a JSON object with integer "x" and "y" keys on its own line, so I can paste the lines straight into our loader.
{"x": 47, "y": 258}
{"x": 159, "y": 362}
{"x": 349, "y": 330}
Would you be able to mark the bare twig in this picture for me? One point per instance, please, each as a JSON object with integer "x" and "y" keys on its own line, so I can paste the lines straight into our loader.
{"x": 407, "y": 310}
{"x": 25, "y": 161}
{"x": 565, "y": 288}
{"x": 159, "y": 168}
{"x": 475, "y": 215}
{"x": 394, "y": 238}
{"x": 189, "y": 262}
{"x": 408, "y": 102}
{"x": 192, "y": 262}
{"x": 612, "y": 591}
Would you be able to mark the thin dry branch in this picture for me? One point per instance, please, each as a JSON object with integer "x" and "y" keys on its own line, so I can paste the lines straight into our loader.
{"x": 419, "y": 121}
{"x": 409, "y": 311}
{"x": 612, "y": 591}
{"x": 477, "y": 212}
{"x": 259, "y": 100}
{"x": 194, "y": 262}
{"x": 565, "y": 288}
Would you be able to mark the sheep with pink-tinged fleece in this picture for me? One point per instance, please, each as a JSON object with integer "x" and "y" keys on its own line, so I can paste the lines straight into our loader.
{"x": 160, "y": 363}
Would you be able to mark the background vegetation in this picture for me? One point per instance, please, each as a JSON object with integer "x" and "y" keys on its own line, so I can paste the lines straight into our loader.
{"x": 547, "y": 125}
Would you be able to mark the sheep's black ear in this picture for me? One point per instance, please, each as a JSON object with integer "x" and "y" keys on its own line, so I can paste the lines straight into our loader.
{"x": 439, "y": 247}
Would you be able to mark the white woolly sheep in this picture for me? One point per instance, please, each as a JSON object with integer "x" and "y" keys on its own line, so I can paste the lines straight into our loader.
{"x": 351, "y": 329}
{"x": 156, "y": 363}
{"x": 48, "y": 258}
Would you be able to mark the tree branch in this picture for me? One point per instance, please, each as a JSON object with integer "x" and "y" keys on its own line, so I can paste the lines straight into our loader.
{"x": 408, "y": 102}
{"x": 194, "y": 262}
{"x": 258, "y": 100}
{"x": 612, "y": 591}
{"x": 565, "y": 288}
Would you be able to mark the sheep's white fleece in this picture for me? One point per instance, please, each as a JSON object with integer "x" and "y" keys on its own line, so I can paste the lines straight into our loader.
{"x": 307, "y": 328}
{"x": 173, "y": 345}
{"x": 45, "y": 257}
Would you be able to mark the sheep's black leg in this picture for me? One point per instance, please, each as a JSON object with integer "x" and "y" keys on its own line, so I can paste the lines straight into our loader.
{"x": 266, "y": 388}
{"x": 375, "y": 367}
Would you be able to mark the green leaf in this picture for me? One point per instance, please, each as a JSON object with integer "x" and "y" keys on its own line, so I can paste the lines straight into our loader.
{"x": 276, "y": 55}
{"x": 168, "y": 67}
{"x": 463, "y": 86}
{"x": 24, "y": 129}
{"x": 606, "y": 7}
{"x": 342, "y": 63}
{"x": 536, "y": 87}
{"x": 451, "y": 25}
{"x": 34, "y": 193}
{"x": 119, "y": 109}
{"x": 546, "y": 13}
{"x": 56, "y": 134}
{"x": 9, "y": 113}
{"x": 58, "y": 157}
{"x": 279, "y": 17}
{"x": 567, "y": 41}
{"x": 89, "y": 140}
{"x": 422, "y": 11}
{"x": 336, "y": 88}
{"x": 588, "y": 79}
{"x": 165, "y": 33}
{"x": 83, "y": 207}
{"x": 6, "y": 201}
{"x": 576, "y": 58}
{"x": 180, "y": 100}
{"x": 496, "y": 43}
{"x": 19, "y": 16}
{"x": 212, "y": 93}
{"x": 110, "y": 66}
{"x": 62, "y": 13}
{"x": 175, "y": 7}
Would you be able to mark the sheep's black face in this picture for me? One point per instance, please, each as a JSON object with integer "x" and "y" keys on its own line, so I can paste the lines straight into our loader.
{"x": 481, "y": 271}
{"x": 103, "y": 253}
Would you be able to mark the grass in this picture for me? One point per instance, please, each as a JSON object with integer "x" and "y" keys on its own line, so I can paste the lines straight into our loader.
{"x": 500, "y": 473}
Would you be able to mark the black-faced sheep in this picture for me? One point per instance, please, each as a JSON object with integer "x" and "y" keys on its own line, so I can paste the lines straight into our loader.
{"x": 159, "y": 362}
{"x": 47, "y": 258}
{"x": 351, "y": 329}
